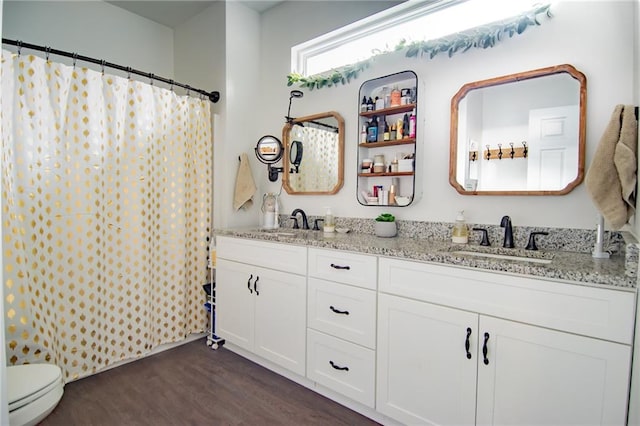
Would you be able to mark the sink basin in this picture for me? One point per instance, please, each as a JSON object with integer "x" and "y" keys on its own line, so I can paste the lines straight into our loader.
{"x": 501, "y": 256}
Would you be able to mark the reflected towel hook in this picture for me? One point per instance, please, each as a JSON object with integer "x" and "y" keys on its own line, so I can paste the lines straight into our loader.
{"x": 526, "y": 151}
{"x": 513, "y": 152}
{"x": 473, "y": 156}
{"x": 499, "y": 151}
{"x": 488, "y": 153}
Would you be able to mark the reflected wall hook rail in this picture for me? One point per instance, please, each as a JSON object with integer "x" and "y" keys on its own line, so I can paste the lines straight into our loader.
{"x": 213, "y": 96}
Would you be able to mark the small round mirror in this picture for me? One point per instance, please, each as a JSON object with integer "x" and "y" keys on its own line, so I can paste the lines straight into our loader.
{"x": 295, "y": 153}
{"x": 269, "y": 149}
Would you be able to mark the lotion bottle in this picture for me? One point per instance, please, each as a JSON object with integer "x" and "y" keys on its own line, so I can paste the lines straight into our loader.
{"x": 329, "y": 224}
{"x": 460, "y": 233}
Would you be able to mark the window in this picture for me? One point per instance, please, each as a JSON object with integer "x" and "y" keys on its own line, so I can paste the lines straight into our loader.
{"x": 412, "y": 21}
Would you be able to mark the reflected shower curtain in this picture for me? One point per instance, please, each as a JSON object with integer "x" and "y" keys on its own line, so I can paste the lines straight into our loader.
{"x": 106, "y": 208}
{"x": 319, "y": 167}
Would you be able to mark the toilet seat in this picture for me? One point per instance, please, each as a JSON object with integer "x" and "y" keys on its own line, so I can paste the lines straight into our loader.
{"x": 33, "y": 391}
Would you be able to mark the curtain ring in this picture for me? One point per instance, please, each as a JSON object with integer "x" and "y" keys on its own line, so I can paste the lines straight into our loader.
{"x": 102, "y": 63}
{"x": 75, "y": 59}
{"x": 47, "y": 52}
{"x": 128, "y": 73}
{"x": 19, "y": 44}
{"x": 188, "y": 89}
{"x": 151, "y": 78}
{"x": 171, "y": 85}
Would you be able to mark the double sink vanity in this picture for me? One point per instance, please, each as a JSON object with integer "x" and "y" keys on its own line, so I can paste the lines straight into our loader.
{"x": 423, "y": 331}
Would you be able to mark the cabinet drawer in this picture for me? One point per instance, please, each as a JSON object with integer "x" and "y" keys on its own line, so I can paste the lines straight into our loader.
{"x": 343, "y": 267}
{"x": 282, "y": 257}
{"x": 342, "y": 311}
{"x": 341, "y": 366}
{"x": 596, "y": 312}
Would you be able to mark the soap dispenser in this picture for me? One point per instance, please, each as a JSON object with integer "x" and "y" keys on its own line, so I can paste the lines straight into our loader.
{"x": 329, "y": 222}
{"x": 460, "y": 234}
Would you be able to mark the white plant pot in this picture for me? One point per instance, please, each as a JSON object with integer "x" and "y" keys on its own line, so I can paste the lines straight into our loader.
{"x": 386, "y": 229}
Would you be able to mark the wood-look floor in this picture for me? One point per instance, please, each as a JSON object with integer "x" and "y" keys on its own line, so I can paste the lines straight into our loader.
{"x": 194, "y": 385}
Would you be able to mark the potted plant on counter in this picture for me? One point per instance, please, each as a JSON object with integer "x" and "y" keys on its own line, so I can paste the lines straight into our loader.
{"x": 386, "y": 225}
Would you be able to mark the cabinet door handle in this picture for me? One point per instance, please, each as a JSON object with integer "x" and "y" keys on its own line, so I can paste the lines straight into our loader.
{"x": 337, "y": 367}
{"x": 467, "y": 343}
{"x": 249, "y": 284}
{"x": 334, "y": 266}
{"x": 338, "y": 311}
{"x": 484, "y": 349}
{"x": 255, "y": 285}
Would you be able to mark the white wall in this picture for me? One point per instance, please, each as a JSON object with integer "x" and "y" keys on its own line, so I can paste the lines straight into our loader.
{"x": 92, "y": 28}
{"x": 594, "y": 36}
{"x": 4, "y": 403}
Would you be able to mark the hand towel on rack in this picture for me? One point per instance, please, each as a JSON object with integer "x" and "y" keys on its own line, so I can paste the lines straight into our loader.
{"x": 611, "y": 178}
{"x": 245, "y": 185}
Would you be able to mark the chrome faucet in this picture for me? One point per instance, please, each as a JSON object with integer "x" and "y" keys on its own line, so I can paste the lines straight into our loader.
{"x": 508, "y": 232}
{"x": 305, "y": 223}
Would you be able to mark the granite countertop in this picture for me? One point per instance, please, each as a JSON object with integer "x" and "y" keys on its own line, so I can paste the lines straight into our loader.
{"x": 573, "y": 267}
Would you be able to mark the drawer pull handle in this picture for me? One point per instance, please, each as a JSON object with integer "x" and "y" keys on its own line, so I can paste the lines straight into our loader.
{"x": 255, "y": 285}
{"x": 249, "y": 284}
{"x": 334, "y": 266}
{"x": 467, "y": 344}
{"x": 484, "y": 349}
{"x": 338, "y": 311}
{"x": 337, "y": 367}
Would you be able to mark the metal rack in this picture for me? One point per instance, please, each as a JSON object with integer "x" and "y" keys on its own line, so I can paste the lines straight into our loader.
{"x": 212, "y": 339}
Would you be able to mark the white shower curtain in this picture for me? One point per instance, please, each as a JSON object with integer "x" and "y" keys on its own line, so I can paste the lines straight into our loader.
{"x": 106, "y": 202}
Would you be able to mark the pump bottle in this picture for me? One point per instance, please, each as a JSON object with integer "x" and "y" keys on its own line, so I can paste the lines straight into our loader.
{"x": 460, "y": 233}
{"x": 329, "y": 222}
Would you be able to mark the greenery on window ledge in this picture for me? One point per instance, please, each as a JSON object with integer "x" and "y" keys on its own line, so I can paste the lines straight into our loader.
{"x": 482, "y": 37}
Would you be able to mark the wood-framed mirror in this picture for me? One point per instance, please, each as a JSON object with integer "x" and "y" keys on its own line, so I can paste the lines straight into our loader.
{"x": 314, "y": 154}
{"x": 519, "y": 134}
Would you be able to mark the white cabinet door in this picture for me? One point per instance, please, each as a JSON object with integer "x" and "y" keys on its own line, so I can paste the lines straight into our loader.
{"x": 545, "y": 377}
{"x": 424, "y": 375}
{"x": 235, "y": 303}
{"x": 280, "y": 318}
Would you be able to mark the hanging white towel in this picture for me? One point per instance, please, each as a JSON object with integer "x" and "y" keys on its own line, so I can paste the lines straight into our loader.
{"x": 245, "y": 185}
{"x": 612, "y": 177}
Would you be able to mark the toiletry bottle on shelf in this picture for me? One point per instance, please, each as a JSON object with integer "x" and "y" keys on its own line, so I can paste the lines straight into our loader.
{"x": 392, "y": 132}
{"x": 395, "y": 97}
{"x": 412, "y": 124}
{"x": 386, "y": 134}
{"x": 363, "y": 134}
{"x": 460, "y": 234}
{"x": 372, "y": 130}
{"x": 399, "y": 129}
{"x": 370, "y": 105}
{"x": 405, "y": 126}
{"x": 363, "y": 105}
{"x": 329, "y": 222}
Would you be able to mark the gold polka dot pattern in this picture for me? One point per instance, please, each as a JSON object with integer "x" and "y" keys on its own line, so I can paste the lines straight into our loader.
{"x": 106, "y": 204}
{"x": 319, "y": 170}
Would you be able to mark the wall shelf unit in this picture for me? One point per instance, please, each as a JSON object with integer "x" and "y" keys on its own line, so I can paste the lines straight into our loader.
{"x": 387, "y": 150}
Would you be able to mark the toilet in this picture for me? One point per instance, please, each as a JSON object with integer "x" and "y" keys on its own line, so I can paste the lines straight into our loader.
{"x": 34, "y": 390}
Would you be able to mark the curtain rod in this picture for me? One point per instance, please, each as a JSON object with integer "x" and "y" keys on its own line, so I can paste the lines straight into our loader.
{"x": 213, "y": 96}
